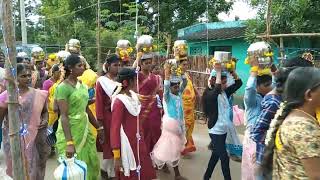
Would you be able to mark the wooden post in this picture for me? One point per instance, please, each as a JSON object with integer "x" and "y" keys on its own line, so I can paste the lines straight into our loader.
{"x": 168, "y": 39}
{"x": 269, "y": 19}
{"x": 281, "y": 51}
{"x": 23, "y": 24}
{"x": 14, "y": 122}
{"x": 98, "y": 36}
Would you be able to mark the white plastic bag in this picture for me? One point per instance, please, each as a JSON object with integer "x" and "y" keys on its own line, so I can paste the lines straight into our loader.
{"x": 3, "y": 174}
{"x": 233, "y": 143}
{"x": 71, "y": 169}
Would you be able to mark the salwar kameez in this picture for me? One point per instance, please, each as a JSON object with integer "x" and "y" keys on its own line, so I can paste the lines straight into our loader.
{"x": 104, "y": 90}
{"x": 84, "y": 140}
{"x": 124, "y": 126}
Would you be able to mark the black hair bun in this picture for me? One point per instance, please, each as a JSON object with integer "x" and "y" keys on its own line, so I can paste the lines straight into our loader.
{"x": 126, "y": 73}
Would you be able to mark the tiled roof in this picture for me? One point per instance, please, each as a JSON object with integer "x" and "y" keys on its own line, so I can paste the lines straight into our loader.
{"x": 213, "y": 31}
{"x": 216, "y": 34}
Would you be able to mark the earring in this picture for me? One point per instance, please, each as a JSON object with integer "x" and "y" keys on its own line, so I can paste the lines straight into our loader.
{"x": 310, "y": 99}
{"x": 125, "y": 83}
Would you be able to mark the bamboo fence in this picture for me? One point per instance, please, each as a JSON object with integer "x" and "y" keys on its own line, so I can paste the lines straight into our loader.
{"x": 199, "y": 75}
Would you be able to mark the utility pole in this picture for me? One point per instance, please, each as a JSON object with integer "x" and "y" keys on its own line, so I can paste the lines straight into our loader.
{"x": 23, "y": 23}
{"x": 19, "y": 172}
{"x": 98, "y": 35}
{"x": 269, "y": 19}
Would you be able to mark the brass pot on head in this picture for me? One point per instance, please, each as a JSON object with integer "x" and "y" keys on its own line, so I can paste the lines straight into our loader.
{"x": 37, "y": 54}
{"x": 180, "y": 50}
{"x": 73, "y": 46}
{"x": 145, "y": 44}
{"x": 124, "y": 50}
{"x": 262, "y": 52}
{"x": 225, "y": 59}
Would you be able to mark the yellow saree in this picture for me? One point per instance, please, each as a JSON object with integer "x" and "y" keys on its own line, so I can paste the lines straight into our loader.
{"x": 52, "y": 111}
{"x": 189, "y": 98}
{"x": 89, "y": 78}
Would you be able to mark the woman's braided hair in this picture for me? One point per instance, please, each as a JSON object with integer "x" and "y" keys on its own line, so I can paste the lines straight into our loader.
{"x": 294, "y": 96}
{"x": 282, "y": 113}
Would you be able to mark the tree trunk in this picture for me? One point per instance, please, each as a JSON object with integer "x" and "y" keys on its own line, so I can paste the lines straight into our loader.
{"x": 168, "y": 41}
{"x": 19, "y": 172}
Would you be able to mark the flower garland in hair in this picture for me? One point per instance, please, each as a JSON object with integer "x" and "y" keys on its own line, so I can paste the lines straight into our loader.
{"x": 308, "y": 56}
{"x": 274, "y": 122}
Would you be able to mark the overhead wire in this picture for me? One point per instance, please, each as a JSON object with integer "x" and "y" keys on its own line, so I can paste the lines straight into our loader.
{"x": 158, "y": 44}
{"x": 207, "y": 29}
{"x": 73, "y": 12}
{"x": 138, "y": 136}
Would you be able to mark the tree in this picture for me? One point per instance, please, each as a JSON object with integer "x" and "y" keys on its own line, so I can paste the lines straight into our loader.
{"x": 64, "y": 19}
{"x": 294, "y": 16}
{"x": 179, "y": 14}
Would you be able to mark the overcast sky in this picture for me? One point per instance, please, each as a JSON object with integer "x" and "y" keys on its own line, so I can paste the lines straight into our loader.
{"x": 241, "y": 9}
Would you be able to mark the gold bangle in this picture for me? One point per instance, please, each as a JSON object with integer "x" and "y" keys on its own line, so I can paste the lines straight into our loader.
{"x": 100, "y": 128}
{"x": 254, "y": 69}
{"x": 70, "y": 143}
{"x": 116, "y": 153}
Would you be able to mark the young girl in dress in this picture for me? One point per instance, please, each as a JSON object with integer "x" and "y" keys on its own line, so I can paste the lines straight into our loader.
{"x": 168, "y": 149}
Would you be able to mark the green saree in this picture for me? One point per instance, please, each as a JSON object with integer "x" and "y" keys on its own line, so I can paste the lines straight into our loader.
{"x": 85, "y": 143}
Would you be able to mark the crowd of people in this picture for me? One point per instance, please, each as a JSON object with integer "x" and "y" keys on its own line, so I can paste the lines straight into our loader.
{"x": 141, "y": 116}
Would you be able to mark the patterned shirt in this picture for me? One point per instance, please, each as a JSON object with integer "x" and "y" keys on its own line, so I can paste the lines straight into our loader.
{"x": 252, "y": 101}
{"x": 269, "y": 107}
{"x": 299, "y": 138}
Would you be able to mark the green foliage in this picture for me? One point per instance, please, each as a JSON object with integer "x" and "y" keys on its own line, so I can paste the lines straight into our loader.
{"x": 64, "y": 19}
{"x": 178, "y": 14}
{"x": 288, "y": 16}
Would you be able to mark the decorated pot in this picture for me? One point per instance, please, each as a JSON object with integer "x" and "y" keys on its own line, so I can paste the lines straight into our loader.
{"x": 62, "y": 55}
{"x": 225, "y": 59}
{"x": 145, "y": 44}
{"x": 124, "y": 50}
{"x": 180, "y": 49}
{"x": 262, "y": 52}
{"x": 37, "y": 54}
{"x": 73, "y": 46}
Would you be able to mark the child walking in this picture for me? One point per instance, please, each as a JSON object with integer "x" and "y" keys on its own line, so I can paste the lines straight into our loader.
{"x": 168, "y": 149}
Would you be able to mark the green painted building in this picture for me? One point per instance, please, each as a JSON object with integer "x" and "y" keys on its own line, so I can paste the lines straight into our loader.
{"x": 206, "y": 38}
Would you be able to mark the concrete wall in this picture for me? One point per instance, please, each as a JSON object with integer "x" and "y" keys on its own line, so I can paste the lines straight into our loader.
{"x": 239, "y": 51}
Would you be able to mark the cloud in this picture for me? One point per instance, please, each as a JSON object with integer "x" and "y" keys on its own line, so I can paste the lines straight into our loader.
{"x": 241, "y": 9}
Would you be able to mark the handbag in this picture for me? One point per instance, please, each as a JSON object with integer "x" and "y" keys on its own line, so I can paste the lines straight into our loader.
{"x": 51, "y": 138}
{"x": 71, "y": 168}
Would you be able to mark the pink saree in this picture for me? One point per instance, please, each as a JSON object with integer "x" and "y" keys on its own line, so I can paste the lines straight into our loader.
{"x": 36, "y": 150}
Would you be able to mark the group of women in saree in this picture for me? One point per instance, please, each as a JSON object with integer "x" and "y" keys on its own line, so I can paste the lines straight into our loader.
{"x": 81, "y": 119}
{"x": 70, "y": 98}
